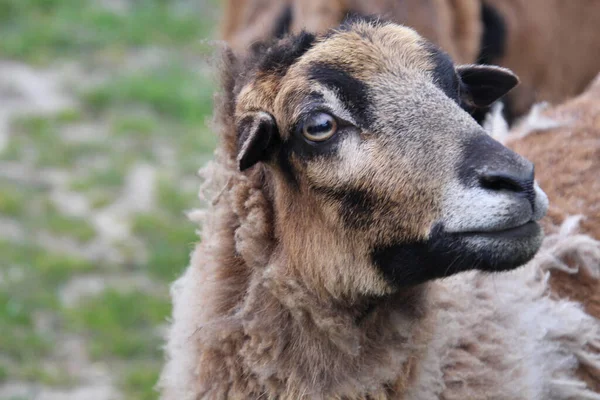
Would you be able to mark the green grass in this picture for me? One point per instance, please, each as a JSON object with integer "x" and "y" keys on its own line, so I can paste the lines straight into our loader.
{"x": 139, "y": 381}
{"x": 153, "y": 113}
{"x": 43, "y": 134}
{"x": 172, "y": 92}
{"x": 12, "y": 201}
{"x": 41, "y": 30}
{"x": 76, "y": 228}
{"x": 121, "y": 324}
{"x": 19, "y": 343}
{"x": 138, "y": 126}
{"x": 52, "y": 268}
{"x": 29, "y": 289}
{"x": 3, "y": 373}
{"x": 170, "y": 242}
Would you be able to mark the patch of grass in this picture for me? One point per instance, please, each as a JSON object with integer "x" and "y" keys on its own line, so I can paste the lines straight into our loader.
{"x": 170, "y": 91}
{"x": 36, "y": 126}
{"x": 137, "y": 125}
{"x": 40, "y": 30}
{"x": 3, "y": 373}
{"x": 69, "y": 116}
{"x": 100, "y": 199}
{"x": 12, "y": 200}
{"x": 18, "y": 340}
{"x": 169, "y": 241}
{"x": 50, "y": 267}
{"x": 121, "y": 324}
{"x": 76, "y": 228}
{"x": 173, "y": 199}
{"x": 31, "y": 277}
{"x": 139, "y": 381}
{"x": 57, "y": 268}
{"x": 66, "y": 154}
{"x": 111, "y": 178}
{"x": 43, "y": 134}
{"x": 22, "y": 345}
{"x": 198, "y": 141}
{"x": 34, "y": 372}
{"x": 13, "y": 312}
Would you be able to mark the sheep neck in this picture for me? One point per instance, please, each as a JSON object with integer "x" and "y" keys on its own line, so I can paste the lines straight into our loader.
{"x": 303, "y": 297}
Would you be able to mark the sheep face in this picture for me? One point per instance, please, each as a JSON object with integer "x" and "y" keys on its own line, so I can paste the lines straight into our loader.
{"x": 371, "y": 155}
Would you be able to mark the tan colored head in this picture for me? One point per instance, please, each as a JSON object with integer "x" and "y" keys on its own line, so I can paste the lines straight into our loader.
{"x": 373, "y": 166}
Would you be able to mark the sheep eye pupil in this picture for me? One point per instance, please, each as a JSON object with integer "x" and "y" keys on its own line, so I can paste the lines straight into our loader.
{"x": 319, "y": 127}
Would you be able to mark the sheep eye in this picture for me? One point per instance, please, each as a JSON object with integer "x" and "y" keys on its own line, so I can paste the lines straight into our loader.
{"x": 319, "y": 127}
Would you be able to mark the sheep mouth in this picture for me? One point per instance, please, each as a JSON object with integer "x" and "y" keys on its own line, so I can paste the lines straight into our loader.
{"x": 524, "y": 231}
{"x": 445, "y": 253}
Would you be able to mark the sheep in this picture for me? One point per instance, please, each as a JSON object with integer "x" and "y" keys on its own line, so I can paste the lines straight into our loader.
{"x": 554, "y": 51}
{"x": 452, "y": 24}
{"x": 347, "y": 183}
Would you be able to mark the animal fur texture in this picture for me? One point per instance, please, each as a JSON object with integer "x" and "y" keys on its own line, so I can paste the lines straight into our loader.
{"x": 564, "y": 143}
{"x": 552, "y": 45}
{"x": 453, "y": 24}
{"x": 281, "y": 304}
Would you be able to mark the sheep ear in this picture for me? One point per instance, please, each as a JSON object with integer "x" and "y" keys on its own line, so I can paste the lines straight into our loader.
{"x": 256, "y": 132}
{"x": 484, "y": 84}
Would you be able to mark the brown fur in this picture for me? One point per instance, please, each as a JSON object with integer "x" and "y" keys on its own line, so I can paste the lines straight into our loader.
{"x": 452, "y": 24}
{"x": 554, "y": 51}
{"x": 282, "y": 300}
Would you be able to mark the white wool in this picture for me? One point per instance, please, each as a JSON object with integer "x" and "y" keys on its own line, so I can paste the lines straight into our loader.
{"x": 584, "y": 249}
{"x": 535, "y": 121}
{"x": 544, "y": 338}
{"x": 495, "y": 124}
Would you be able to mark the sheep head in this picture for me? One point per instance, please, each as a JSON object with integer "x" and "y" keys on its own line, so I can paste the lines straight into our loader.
{"x": 379, "y": 178}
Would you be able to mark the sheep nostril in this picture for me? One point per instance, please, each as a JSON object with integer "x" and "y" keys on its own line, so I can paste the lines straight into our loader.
{"x": 501, "y": 181}
{"x": 497, "y": 182}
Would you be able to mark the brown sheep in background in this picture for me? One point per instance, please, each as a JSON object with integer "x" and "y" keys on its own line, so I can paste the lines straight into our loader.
{"x": 347, "y": 180}
{"x": 552, "y": 45}
{"x": 452, "y": 24}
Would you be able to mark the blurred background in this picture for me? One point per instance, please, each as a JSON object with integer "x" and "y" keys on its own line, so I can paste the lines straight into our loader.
{"x": 104, "y": 107}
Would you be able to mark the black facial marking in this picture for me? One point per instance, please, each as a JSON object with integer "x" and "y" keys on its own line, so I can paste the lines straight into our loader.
{"x": 351, "y": 91}
{"x": 280, "y": 56}
{"x": 444, "y": 74}
{"x": 283, "y": 23}
{"x": 283, "y": 161}
{"x": 493, "y": 38}
{"x": 356, "y": 206}
{"x": 443, "y": 254}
